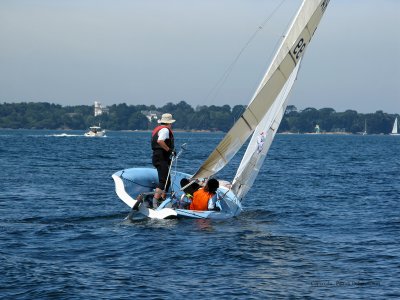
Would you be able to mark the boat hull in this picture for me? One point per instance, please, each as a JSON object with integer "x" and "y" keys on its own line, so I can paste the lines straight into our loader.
{"x": 95, "y": 134}
{"x": 130, "y": 183}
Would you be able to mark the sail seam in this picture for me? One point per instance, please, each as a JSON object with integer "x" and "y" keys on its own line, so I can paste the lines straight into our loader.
{"x": 309, "y": 33}
{"x": 283, "y": 74}
{"x": 247, "y": 123}
{"x": 220, "y": 154}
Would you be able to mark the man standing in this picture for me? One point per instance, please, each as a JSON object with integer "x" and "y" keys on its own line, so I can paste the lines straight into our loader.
{"x": 162, "y": 143}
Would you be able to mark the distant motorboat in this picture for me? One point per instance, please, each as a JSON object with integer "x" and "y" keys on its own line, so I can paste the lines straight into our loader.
{"x": 95, "y": 131}
{"x": 394, "y": 130}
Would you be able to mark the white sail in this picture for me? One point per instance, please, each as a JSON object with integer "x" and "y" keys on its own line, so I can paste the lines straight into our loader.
{"x": 394, "y": 130}
{"x": 261, "y": 141}
{"x": 286, "y": 59}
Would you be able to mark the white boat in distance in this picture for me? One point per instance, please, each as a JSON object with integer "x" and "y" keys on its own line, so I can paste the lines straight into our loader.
{"x": 95, "y": 131}
{"x": 261, "y": 119}
{"x": 394, "y": 130}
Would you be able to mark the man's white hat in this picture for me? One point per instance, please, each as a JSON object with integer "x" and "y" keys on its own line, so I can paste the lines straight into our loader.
{"x": 166, "y": 118}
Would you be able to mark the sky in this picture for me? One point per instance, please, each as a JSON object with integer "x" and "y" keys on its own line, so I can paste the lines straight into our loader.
{"x": 76, "y": 52}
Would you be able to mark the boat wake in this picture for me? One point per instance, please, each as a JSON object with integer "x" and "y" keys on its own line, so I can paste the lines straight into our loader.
{"x": 64, "y": 135}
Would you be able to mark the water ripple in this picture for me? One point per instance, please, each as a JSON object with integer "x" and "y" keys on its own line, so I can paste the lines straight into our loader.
{"x": 321, "y": 222}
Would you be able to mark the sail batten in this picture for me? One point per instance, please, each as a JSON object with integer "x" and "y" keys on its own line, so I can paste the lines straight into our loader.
{"x": 280, "y": 70}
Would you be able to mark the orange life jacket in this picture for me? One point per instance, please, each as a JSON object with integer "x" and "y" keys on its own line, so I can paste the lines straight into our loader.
{"x": 200, "y": 200}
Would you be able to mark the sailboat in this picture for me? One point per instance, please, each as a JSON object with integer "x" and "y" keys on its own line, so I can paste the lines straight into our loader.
{"x": 394, "y": 130}
{"x": 365, "y": 128}
{"x": 260, "y": 120}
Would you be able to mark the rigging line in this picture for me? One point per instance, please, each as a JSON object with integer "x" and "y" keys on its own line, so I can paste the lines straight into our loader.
{"x": 217, "y": 87}
{"x": 199, "y": 121}
{"x": 131, "y": 181}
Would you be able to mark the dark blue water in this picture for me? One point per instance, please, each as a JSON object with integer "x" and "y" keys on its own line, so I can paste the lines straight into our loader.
{"x": 323, "y": 220}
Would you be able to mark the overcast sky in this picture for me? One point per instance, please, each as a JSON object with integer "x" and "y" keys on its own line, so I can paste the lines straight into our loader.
{"x": 157, "y": 51}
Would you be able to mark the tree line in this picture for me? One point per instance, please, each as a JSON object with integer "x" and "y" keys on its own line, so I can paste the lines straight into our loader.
{"x": 45, "y": 115}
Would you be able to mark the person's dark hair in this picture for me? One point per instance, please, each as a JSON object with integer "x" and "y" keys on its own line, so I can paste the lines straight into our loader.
{"x": 212, "y": 185}
{"x": 191, "y": 188}
{"x": 184, "y": 181}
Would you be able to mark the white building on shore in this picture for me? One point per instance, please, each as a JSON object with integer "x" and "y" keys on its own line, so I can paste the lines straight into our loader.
{"x": 99, "y": 109}
{"x": 151, "y": 115}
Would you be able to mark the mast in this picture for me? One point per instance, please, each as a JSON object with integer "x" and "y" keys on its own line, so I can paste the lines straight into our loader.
{"x": 365, "y": 127}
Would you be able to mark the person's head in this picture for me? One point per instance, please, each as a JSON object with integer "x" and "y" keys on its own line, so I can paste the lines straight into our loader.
{"x": 212, "y": 185}
{"x": 184, "y": 181}
{"x": 191, "y": 188}
{"x": 166, "y": 119}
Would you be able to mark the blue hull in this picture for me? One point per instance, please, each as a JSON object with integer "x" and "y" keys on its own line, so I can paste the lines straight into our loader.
{"x": 130, "y": 183}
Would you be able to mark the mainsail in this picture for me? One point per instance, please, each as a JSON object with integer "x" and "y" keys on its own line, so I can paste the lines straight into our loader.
{"x": 285, "y": 61}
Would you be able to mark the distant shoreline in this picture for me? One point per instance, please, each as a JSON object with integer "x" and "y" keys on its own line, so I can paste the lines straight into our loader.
{"x": 208, "y": 119}
{"x": 200, "y": 131}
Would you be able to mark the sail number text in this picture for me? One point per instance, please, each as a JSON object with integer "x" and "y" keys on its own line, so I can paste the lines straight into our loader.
{"x": 298, "y": 50}
{"x": 324, "y": 5}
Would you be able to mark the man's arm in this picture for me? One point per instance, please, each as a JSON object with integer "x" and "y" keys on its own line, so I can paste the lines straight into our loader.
{"x": 163, "y": 145}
